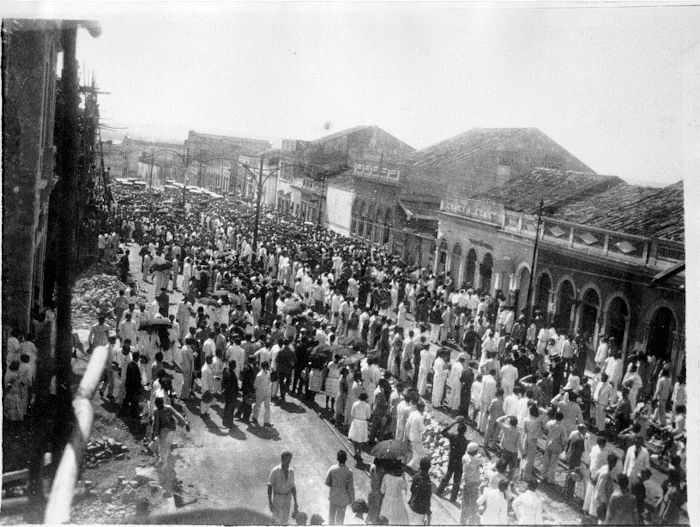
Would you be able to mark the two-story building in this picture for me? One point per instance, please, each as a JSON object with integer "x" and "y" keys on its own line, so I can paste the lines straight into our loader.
{"x": 601, "y": 243}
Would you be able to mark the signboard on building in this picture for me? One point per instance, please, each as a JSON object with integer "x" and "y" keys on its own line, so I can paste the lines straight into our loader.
{"x": 474, "y": 209}
{"x": 371, "y": 170}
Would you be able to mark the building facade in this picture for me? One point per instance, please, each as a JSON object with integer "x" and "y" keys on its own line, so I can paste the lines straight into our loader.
{"x": 30, "y": 51}
{"x": 599, "y": 251}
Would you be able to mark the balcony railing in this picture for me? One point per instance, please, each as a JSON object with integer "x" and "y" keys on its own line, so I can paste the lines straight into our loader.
{"x": 639, "y": 250}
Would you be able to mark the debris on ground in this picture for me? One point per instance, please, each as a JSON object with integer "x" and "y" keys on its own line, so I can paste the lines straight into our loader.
{"x": 101, "y": 450}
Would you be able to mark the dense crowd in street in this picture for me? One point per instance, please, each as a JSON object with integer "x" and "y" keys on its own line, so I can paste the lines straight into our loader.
{"x": 375, "y": 346}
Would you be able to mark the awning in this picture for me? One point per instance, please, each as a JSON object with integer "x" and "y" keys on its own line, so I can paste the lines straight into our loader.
{"x": 415, "y": 212}
{"x": 668, "y": 273}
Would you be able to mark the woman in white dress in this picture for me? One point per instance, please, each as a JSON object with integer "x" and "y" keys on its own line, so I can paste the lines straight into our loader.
{"x": 495, "y": 505}
{"x": 359, "y": 429}
{"x": 394, "y": 489}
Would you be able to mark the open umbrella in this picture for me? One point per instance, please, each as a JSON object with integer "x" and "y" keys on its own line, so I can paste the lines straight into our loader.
{"x": 294, "y": 308}
{"x": 165, "y": 266}
{"x": 208, "y": 301}
{"x": 155, "y": 325}
{"x": 221, "y": 292}
{"x": 391, "y": 449}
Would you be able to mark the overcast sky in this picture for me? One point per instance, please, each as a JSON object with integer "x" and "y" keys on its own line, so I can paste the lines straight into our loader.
{"x": 617, "y": 87}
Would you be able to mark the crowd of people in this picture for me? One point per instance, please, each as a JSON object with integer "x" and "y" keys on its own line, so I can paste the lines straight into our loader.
{"x": 334, "y": 320}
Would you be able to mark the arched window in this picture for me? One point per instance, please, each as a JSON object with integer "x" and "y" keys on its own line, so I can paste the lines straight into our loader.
{"x": 565, "y": 303}
{"x": 485, "y": 273}
{"x": 544, "y": 286}
{"x": 378, "y": 226}
{"x": 455, "y": 265}
{"x": 470, "y": 273}
{"x": 387, "y": 226}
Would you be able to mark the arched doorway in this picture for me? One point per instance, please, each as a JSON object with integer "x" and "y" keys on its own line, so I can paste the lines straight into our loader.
{"x": 455, "y": 265}
{"x": 470, "y": 271}
{"x": 544, "y": 286}
{"x": 565, "y": 303}
{"x": 588, "y": 323}
{"x": 521, "y": 290}
{"x": 387, "y": 227}
{"x": 485, "y": 273}
{"x": 616, "y": 322}
{"x": 661, "y": 333}
{"x": 442, "y": 257}
{"x": 588, "y": 317}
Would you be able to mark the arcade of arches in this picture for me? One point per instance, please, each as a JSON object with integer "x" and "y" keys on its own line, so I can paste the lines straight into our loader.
{"x": 370, "y": 224}
{"x": 466, "y": 272}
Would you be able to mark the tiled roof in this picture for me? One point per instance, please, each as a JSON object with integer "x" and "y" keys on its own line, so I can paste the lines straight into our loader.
{"x": 556, "y": 188}
{"x": 465, "y": 144}
{"x": 342, "y": 133}
{"x": 643, "y": 211}
{"x": 476, "y": 141}
{"x": 420, "y": 210}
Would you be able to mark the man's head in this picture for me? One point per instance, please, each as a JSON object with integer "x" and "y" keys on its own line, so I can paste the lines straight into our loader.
{"x": 286, "y": 458}
{"x": 342, "y": 457}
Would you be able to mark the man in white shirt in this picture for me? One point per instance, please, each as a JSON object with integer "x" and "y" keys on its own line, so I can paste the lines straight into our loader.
{"x": 508, "y": 377}
{"x": 510, "y": 402}
{"x": 263, "y": 394}
{"x": 426, "y": 363}
{"x": 636, "y": 459}
{"x": 415, "y": 425}
{"x": 128, "y": 329}
{"x": 528, "y": 506}
{"x": 209, "y": 347}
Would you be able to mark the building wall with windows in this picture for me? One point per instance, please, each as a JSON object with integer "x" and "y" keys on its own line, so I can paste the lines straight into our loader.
{"x": 587, "y": 279}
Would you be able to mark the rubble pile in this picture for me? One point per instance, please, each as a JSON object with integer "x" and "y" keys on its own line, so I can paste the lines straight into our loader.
{"x": 116, "y": 503}
{"x": 96, "y": 292}
{"x": 101, "y": 450}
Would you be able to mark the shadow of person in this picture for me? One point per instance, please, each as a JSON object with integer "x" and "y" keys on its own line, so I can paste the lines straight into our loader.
{"x": 269, "y": 433}
{"x": 212, "y": 426}
{"x": 292, "y": 408}
{"x": 237, "y": 433}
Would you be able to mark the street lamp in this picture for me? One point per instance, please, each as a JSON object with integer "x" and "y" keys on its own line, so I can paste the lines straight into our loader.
{"x": 534, "y": 263}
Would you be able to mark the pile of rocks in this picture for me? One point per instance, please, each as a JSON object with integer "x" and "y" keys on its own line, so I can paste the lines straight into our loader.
{"x": 101, "y": 450}
{"x": 115, "y": 504}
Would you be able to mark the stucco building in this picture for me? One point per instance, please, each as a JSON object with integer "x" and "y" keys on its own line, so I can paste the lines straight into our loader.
{"x": 601, "y": 244}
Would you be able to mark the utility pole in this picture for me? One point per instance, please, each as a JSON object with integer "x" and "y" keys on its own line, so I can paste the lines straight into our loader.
{"x": 152, "y": 161}
{"x": 257, "y": 208}
{"x": 533, "y": 267}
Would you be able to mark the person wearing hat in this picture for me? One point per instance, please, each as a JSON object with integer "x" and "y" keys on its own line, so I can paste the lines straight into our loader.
{"x": 455, "y": 396}
{"x": 472, "y": 464}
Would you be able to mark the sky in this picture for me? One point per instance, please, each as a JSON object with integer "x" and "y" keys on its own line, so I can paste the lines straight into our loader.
{"x": 616, "y": 86}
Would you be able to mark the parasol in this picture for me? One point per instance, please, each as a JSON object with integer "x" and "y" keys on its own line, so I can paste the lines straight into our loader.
{"x": 221, "y": 292}
{"x": 165, "y": 266}
{"x": 155, "y": 325}
{"x": 294, "y": 308}
{"x": 391, "y": 449}
{"x": 208, "y": 302}
{"x": 350, "y": 360}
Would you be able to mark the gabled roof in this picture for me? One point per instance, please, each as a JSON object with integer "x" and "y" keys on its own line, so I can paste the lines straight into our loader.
{"x": 557, "y": 188}
{"x": 472, "y": 142}
{"x": 347, "y": 131}
{"x": 631, "y": 209}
